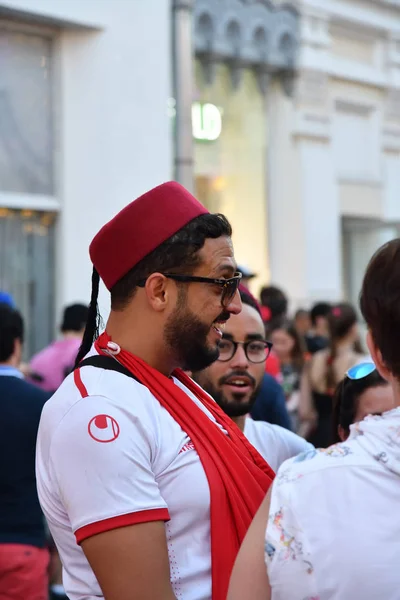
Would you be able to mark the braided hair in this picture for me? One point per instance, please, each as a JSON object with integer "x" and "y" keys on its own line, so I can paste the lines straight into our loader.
{"x": 94, "y": 321}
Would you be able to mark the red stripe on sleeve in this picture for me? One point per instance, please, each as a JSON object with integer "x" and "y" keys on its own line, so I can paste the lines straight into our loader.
{"x": 79, "y": 384}
{"x": 143, "y": 516}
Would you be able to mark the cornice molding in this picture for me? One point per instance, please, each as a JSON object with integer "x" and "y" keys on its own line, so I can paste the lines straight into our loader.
{"x": 253, "y": 34}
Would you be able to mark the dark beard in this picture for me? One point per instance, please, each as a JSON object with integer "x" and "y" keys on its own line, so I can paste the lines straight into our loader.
{"x": 186, "y": 335}
{"x": 232, "y": 409}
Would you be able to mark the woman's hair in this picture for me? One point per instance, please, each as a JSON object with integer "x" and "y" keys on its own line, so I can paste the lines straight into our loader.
{"x": 380, "y": 303}
{"x": 298, "y": 351}
{"x": 346, "y": 398}
{"x": 275, "y": 300}
{"x": 340, "y": 321}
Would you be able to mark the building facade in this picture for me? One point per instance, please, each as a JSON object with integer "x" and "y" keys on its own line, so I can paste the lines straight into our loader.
{"x": 241, "y": 49}
{"x": 84, "y": 128}
{"x": 334, "y": 165}
{"x": 290, "y": 115}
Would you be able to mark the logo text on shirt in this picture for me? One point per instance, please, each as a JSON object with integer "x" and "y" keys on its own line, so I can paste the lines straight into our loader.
{"x": 186, "y": 447}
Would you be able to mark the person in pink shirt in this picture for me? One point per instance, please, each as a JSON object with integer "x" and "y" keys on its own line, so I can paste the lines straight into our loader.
{"x": 51, "y": 365}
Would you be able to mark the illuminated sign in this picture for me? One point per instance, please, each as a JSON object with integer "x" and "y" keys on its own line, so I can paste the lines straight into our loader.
{"x": 206, "y": 122}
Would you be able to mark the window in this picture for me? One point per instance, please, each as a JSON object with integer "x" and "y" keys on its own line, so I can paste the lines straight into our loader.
{"x": 27, "y": 240}
{"x": 356, "y": 142}
{"x": 27, "y": 271}
{"x": 26, "y": 131}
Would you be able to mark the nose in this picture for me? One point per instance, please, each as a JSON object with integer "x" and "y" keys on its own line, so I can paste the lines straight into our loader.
{"x": 239, "y": 360}
{"x": 235, "y": 306}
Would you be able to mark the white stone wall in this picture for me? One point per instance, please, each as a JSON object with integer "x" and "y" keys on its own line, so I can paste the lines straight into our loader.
{"x": 335, "y": 164}
{"x": 112, "y": 74}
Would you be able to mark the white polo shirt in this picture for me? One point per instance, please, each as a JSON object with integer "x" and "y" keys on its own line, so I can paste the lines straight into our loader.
{"x": 274, "y": 443}
{"x": 116, "y": 458}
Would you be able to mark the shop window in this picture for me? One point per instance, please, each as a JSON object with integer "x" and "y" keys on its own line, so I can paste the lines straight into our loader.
{"x": 26, "y": 136}
{"x": 27, "y": 271}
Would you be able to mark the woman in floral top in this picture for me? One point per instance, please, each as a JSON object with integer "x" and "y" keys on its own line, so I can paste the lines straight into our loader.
{"x": 328, "y": 529}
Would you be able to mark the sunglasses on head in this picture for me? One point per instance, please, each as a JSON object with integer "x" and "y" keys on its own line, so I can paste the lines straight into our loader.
{"x": 360, "y": 371}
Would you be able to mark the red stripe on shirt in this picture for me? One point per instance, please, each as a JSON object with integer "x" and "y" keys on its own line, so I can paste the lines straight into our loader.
{"x": 79, "y": 383}
{"x": 143, "y": 516}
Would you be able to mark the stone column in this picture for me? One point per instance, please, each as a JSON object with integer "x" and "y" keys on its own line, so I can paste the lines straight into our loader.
{"x": 183, "y": 89}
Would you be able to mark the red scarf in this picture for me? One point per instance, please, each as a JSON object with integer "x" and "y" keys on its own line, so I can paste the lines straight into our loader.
{"x": 237, "y": 475}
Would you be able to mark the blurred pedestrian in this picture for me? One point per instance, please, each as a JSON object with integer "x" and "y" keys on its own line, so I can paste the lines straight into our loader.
{"x": 317, "y": 337}
{"x": 290, "y": 350}
{"x": 330, "y": 519}
{"x": 270, "y": 403}
{"x": 6, "y": 298}
{"x": 366, "y": 393}
{"x": 247, "y": 275}
{"x": 137, "y": 468}
{"x": 274, "y": 307}
{"x": 23, "y": 554}
{"x": 302, "y": 322}
{"x": 277, "y": 303}
{"x": 326, "y": 369}
{"x": 51, "y": 365}
{"x": 234, "y": 379}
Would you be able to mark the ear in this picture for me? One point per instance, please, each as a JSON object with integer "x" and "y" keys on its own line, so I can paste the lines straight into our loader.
{"x": 158, "y": 291}
{"x": 377, "y": 358}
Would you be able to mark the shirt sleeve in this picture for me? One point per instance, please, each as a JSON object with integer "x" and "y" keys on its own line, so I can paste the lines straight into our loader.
{"x": 101, "y": 458}
{"x": 287, "y": 553}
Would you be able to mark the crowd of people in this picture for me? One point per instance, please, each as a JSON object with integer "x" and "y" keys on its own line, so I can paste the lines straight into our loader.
{"x": 141, "y": 459}
{"x": 312, "y": 352}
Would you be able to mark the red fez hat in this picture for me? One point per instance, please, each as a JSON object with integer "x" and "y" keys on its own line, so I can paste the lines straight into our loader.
{"x": 140, "y": 228}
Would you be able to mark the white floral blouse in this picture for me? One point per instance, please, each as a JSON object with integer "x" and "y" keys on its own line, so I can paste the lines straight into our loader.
{"x": 333, "y": 531}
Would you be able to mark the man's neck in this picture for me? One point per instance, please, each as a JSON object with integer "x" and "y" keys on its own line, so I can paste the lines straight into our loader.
{"x": 138, "y": 340}
{"x": 12, "y": 363}
{"x": 240, "y": 422}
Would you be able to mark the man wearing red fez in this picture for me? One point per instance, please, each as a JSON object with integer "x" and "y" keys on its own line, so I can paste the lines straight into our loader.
{"x": 147, "y": 486}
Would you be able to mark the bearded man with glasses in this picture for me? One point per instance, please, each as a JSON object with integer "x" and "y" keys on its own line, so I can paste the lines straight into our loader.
{"x": 234, "y": 379}
{"x": 147, "y": 486}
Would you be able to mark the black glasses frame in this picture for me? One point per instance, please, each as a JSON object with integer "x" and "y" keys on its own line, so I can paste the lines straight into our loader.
{"x": 267, "y": 345}
{"x": 229, "y": 286}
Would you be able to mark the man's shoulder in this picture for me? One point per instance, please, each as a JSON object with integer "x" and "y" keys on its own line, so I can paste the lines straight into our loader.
{"x": 43, "y": 355}
{"x": 314, "y": 460}
{"x": 270, "y": 381}
{"x": 276, "y": 434}
{"x": 24, "y": 389}
{"x": 100, "y": 392}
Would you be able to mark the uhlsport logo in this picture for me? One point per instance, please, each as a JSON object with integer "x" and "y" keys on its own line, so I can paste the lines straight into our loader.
{"x": 103, "y": 428}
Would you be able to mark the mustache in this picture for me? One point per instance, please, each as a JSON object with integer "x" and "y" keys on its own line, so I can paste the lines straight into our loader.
{"x": 237, "y": 373}
{"x": 224, "y": 316}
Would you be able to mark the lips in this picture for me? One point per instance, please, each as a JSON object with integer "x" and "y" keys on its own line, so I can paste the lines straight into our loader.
{"x": 219, "y": 324}
{"x": 219, "y": 327}
{"x": 239, "y": 384}
{"x": 238, "y": 378}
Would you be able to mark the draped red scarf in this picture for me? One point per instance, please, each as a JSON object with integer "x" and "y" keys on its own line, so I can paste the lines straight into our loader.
{"x": 237, "y": 475}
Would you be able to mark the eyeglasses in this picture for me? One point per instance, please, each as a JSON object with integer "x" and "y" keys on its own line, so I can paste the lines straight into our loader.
{"x": 229, "y": 286}
{"x": 360, "y": 371}
{"x": 256, "y": 351}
